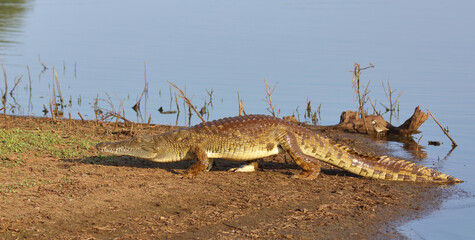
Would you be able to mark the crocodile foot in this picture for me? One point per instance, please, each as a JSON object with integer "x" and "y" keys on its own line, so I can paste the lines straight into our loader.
{"x": 307, "y": 175}
{"x": 195, "y": 169}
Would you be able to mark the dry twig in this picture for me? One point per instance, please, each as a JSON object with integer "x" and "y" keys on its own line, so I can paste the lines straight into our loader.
{"x": 112, "y": 112}
{"x": 187, "y": 101}
{"x": 446, "y": 133}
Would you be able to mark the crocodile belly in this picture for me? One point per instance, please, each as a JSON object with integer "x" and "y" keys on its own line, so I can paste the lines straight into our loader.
{"x": 243, "y": 154}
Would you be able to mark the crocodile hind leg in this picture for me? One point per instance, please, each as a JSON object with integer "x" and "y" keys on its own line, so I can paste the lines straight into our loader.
{"x": 202, "y": 163}
{"x": 310, "y": 165}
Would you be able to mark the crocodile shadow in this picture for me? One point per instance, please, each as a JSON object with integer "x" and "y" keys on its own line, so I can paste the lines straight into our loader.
{"x": 219, "y": 165}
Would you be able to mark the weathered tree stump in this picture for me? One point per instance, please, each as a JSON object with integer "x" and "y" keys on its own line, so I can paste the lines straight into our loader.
{"x": 373, "y": 124}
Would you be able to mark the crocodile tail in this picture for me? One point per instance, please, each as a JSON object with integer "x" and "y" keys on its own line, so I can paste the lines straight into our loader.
{"x": 401, "y": 170}
{"x": 384, "y": 167}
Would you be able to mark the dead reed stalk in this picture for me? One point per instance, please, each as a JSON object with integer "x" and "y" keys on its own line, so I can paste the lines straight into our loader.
{"x": 177, "y": 105}
{"x": 210, "y": 94}
{"x": 241, "y": 105}
{"x": 4, "y": 97}
{"x": 42, "y": 64}
{"x": 362, "y": 98}
{"x": 53, "y": 116}
{"x": 59, "y": 87}
{"x": 17, "y": 81}
{"x": 389, "y": 96}
{"x": 375, "y": 111}
{"x": 82, "y": 119}
{"x": 29, "y": 78}
{"x": 136, "y": 107}
{"x": 314, "y": 116}
{"x": 268, "y": 99}
{"x": 53, "y": 105}
{"x": 187, "y": 101}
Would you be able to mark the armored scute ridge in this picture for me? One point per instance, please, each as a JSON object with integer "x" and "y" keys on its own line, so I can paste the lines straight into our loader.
{"x": 249, "y": 137}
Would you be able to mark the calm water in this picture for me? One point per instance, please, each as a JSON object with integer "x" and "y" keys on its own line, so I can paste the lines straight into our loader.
{"x": 426, "y": 48}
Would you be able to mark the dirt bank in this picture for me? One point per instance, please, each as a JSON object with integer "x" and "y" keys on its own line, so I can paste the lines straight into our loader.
{"x": 58, "y": 187}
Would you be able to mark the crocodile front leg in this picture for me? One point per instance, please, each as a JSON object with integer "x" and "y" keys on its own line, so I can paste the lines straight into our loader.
{"x": 202, "y": 163}
{"x": 310, "y": 165}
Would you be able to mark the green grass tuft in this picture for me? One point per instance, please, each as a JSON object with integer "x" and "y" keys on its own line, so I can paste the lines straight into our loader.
{"x": 18, "y": 142}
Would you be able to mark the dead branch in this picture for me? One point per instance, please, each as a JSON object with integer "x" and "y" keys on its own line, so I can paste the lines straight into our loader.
{"x": 117, "y": 116}
{"x": 446, "y": 133}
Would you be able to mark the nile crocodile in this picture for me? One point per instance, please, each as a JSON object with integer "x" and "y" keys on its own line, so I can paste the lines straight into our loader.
{"x": 250, "y": 137}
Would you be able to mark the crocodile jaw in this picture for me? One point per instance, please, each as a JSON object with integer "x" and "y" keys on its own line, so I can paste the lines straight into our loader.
{"x": 127, "y": 147}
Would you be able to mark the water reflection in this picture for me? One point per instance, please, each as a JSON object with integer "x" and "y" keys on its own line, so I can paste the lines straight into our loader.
{"x": 12, "y": 15}
{"x": 409, "y": 144}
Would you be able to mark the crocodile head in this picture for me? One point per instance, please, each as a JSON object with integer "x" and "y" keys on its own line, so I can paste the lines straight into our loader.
{"x": 142, "y": 147}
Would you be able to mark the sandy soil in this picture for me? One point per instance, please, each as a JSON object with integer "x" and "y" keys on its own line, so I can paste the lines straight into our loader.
{"x": 102, "y": 197}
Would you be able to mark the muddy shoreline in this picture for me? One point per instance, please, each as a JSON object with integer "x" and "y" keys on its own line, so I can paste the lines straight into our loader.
{"x": 87, "y": 195}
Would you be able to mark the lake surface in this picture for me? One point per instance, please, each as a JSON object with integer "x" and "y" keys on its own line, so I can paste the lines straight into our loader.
{"x": 108, "y": 48}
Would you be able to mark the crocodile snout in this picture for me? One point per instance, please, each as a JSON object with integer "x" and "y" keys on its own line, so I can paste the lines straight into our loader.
{"x": 101, "y": 146}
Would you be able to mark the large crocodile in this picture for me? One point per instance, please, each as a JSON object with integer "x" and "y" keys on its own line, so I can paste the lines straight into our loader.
{"x": 250, "y": 137}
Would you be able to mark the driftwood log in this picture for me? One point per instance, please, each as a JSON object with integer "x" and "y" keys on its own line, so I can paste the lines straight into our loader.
{"x": 374, "y": 124}
{"x": 351, "y": 122}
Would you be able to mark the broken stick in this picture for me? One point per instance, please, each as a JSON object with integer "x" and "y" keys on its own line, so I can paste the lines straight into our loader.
{"x": 446, "y": 133}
